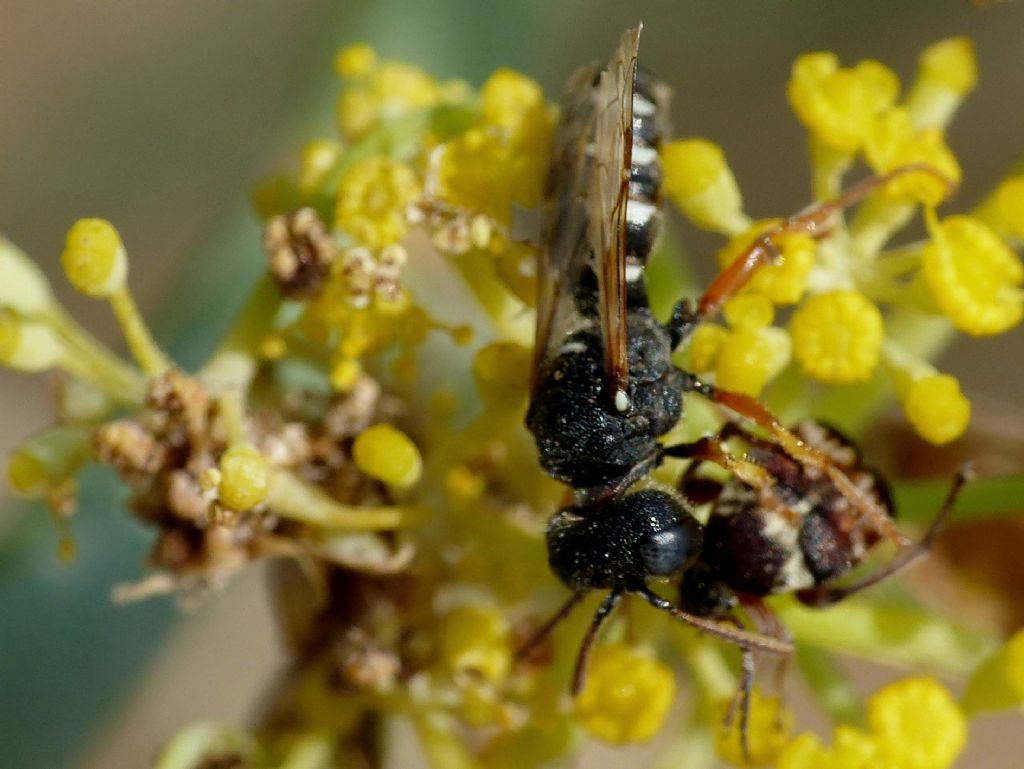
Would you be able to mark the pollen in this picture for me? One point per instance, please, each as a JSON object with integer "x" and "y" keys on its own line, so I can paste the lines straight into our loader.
{"x": 355, "y": 60}
{"x": 476, "y": 639}
{"x": 387, "y": 454}
{"x": 768, "y": 730}
{"x": 627, "y": 695}
{"x": 973, "y": 275}
{"x": 837, "y": 337}
{"x": 893, "y": 142}
{"x": 836, "y": 104}
{"x": 700, "y": 182}
{"x": 937, "y": 409}
{"x": 373, "y": 196}
{"x": 917, "y": 723}
{"x": 785, "y": 281}
{"x": 244, "y": 477}
{"x": 94, "y": 259}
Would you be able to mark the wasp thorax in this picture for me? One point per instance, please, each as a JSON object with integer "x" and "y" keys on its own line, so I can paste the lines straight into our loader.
{"x": 583, "y": 440}
{"x": 623, "y": 543}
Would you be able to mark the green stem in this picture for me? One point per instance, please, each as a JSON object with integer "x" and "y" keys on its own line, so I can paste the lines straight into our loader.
{"x": 118, "y": 379}
{"x": 299, "y": 501}
{"x": 235, "y": 361}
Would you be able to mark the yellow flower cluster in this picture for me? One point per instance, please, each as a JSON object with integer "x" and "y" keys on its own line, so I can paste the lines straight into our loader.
{"x": 414, "y": 153}
{"x": 857, "y": 307}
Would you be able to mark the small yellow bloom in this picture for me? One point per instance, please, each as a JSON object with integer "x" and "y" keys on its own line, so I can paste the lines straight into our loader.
{"x": 838, "y": 104}
{"x": 388, "y": 454}
{"x": 699, "y": 181}
{"x": 951, "y": 62}
{"x": 837, "y": 336}
{"x": 936, "y": 408}
{"x": 768, "y": 729}
{"x": 355, "y": 60}
{"x": 917, "y": 724}
{"x": 94, "y": 259}
{"x": 947, "y": 71}
{"x": 244, "y": 477}
{"x": 507, "y": 98}
{"x": 373, "y": 196}
{"x": 355, "y": 113}
{"x": 892, "y": 141}
{"x": 974, "y": 277}
{"x": 627, "y": 695}
{"x": 785, "y": 281}
{"x": 475, "y": 173}
{"x": 747, "y": 356}
{"x": 344, "y": 374}
{"x": 476, "y": 638}
{"x": 705, "y": 344}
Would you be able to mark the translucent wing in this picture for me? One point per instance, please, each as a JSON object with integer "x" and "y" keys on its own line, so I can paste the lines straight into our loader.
{"x": 585, "y": 230}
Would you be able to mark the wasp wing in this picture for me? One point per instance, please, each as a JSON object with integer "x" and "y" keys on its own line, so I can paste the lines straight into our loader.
{"x": 585, "y": 229}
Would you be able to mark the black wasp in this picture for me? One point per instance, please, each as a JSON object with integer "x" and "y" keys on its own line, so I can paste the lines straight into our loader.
{"x": 799, "y": 508}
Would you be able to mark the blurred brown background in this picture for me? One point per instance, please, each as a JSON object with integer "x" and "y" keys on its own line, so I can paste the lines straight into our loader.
{"x": 159, "y": 115}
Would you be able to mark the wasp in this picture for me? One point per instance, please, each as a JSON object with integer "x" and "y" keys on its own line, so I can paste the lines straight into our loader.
{"x": 799, "y": 509}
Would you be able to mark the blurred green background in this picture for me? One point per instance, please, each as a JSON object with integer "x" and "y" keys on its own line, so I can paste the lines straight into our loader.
{"x": 159, "y": 116}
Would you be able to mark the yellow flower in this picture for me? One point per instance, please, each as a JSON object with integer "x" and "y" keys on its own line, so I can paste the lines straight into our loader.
{"x": 627, "y": 695}
{"x": 1004, "y": 210}
{"x": 94, "y": 259}
{"x": 892, "y": 141}
{"x": 475, "y": 173}
{"x": 747, "y": 356}
{"x": 508, "y": 98}
{"x": 917, "y": 724}
{"x": 936, "y": 408}
{"x": 244, "y": 477}
{"x": 785, "y": 281}
{"x": 973, "y": 275}
{"x": 838, "y": 104}
{"x": 388, "y": 454}
{"x": 373, "y": 196}
{"x": 700, "y": 182}
{"x": 947, "y": 71}
{"x": 837, "y": 336}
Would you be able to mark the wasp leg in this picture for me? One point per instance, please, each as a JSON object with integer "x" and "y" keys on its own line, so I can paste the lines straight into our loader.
{"x": 814, "y": 220}
{"x": 825, "y": 595}
{"x": 721, "y": 630}
{"x": 711, "y": 449}
{"x": 752, "y": 410}
{"x": 607, "y": 607}
{"x": 545, "y": 630}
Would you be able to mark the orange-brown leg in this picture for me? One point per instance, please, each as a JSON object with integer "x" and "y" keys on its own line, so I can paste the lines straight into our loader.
{"x": 814, "y": 220}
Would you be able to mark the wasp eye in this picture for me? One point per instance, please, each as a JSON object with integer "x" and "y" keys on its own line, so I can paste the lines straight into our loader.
{"x": 673, "y": 535}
